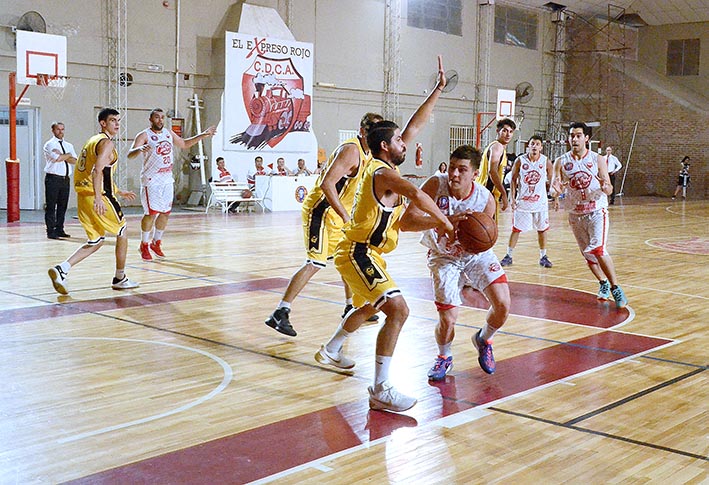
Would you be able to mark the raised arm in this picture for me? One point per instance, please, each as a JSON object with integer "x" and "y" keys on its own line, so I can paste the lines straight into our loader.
{"x": 420, "y": 118}
{"x": 184, "y": 144}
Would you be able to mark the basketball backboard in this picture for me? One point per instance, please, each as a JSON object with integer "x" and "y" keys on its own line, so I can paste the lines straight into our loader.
{"x": 505, "y": 103}
{"x": 39, "y": 54}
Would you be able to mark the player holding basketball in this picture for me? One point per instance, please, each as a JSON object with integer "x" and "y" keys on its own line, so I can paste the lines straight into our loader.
{"x": 584, "y": 176}
{"x": 494, "y": 161}
{"x": 99, "y": 211}
{"x": 156, "y": 181}
{"x": 531, "y": 172}
{"x": 457, "y": 195}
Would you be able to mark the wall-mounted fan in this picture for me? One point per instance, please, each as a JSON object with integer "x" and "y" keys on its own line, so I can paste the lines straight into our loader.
{"x": 32, "y": 21}
{"x": 451, "y": 80}
{"x": 524, "y": 92}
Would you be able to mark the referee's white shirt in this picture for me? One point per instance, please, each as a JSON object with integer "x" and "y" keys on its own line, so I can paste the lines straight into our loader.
{"x": 52, "y": 166}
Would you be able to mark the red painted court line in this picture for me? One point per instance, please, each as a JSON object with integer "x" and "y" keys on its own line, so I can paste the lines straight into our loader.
{"x": 539, "y": 301}
{"x": 280, "y": 446}
{"x": 135, "y": 300}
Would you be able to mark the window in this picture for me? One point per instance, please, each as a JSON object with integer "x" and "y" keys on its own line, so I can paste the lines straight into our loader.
{"x": 440, "y": 15}
{"x": 345, "y": 135}
{"x": 515, "y": 26}
{"x": 460, "y": 135}
{"x": 683, "y": 57}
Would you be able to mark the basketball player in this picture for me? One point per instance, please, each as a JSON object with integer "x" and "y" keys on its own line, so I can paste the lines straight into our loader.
{"x": 530, "y": 208}
{"x": 325, "y": 209}
{"x": 584, "y": 176}
{"x": 457, "y": 195}
{"x": 494, "y": 161}
{"x": 156, "y": 182}
{"x": 99, "y": 211}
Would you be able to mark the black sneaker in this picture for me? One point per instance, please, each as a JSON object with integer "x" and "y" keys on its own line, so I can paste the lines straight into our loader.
{"x": 349, "y": 307}
{"x": 279, "y": 322}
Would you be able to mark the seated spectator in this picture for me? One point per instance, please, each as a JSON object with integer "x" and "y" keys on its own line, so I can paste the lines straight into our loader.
{"x": 443, "y": 168}
{"x": 257, "y": 170}
{"x": 302, "y": 169}
{"x": 223, "y": 177}
{"x": 321, "y": 167}
{"x": 281, "y": 168}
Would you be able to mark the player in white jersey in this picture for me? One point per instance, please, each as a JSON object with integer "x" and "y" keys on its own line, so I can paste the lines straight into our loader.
{"x": 457, "y": 194}
{"x": 531, "y": 172}
{"x": 156, "y": 144}
{"x": 583, "y": 175}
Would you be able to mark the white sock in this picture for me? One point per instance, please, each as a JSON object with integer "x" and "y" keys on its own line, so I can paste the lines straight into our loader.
{"x": 381, "y": 368}
{"x": 445, "y": 349}
{"x": 65, "y": 266}
{"x": 157, "y": 236}
{"x": 145, "y": 236}
{"x": 284, "y": 304}
{"x": 120, "y": 273}
{"x": 542, "y": 253}
{"x": 487, "y": 332}
{"x": 334, "y": 345}
{"x": 510, "y": 251}
{"x": 348, "y": 301}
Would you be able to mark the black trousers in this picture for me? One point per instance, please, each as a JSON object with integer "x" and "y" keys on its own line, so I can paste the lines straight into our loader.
{"x": 56, "y": 192}
{"x": 612, "y": 177}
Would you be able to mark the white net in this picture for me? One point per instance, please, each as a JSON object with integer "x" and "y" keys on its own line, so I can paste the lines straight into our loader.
{"x": 55, "y": 85}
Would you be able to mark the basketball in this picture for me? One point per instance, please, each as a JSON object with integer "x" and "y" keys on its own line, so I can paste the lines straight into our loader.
{"x": 246, "y": 194}
{"x": 477, "y": 232}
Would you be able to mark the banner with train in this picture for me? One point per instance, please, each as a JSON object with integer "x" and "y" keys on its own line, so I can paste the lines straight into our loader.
{"x": 267, "y": 96}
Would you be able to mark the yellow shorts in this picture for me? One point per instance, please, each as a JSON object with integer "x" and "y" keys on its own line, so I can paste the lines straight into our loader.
{"x": 95, "y": 225}
{"x": 322, "y": 230}
{"x": 365, "y": 273}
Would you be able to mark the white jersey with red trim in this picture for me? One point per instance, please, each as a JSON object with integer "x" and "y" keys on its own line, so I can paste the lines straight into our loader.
{"x": 583, "y": 193}
{"x": 532, "y": 192}
{"x": 157, "y": 164}
{"x": 449, "y": 205}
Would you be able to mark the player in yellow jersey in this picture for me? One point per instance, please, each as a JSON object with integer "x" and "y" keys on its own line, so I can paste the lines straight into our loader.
{"x": 325, "y": 209}
{"x": 99, "y": 211}
{"x": 372, "y": 231}
{"x": 494, "y": 161}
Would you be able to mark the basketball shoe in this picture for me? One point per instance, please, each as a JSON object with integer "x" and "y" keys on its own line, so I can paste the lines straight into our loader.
{"x": 279, "y": 322}
{"x": 441, "y": 367}
{"x": 383, "y": 397}
{"x": 123, "y": 284}
{"x": 337, "y": 360}
{"x": 58, "y": 277}
{"x": 145, "y": 252}
{"x": 544, "y": 262}
{"x": 156, "y": 249}
{"x": 349, "y": 307}
{"x": 619, "y": 296}
{"x": 506, "y": 261}
{"x": 604, "y": 290}
{"x": 485, "y": 357}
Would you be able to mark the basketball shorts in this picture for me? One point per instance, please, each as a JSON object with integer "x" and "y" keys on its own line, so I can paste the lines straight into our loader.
{"x": 450, "y": 275}
{"x": 364, "y": 271}
{"x": 321, "y": 232}
{"x": 591, "y": 233}
{"x": 157, "y": 199}
{"x": 530, "y": 221}
{"x": 96, "y": 225}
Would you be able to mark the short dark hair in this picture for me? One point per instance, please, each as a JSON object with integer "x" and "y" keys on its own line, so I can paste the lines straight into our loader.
{"x": 369, "y": 120}
{"x": 105, "y": 113}
{"x": 258, "y": 157}
{"x": 379, "y": 132}
{"x": 468, "y": 152}
{"x": 155, "y": 110}
{"x": 577, "y": 124}
{"x": 507, "y": 122}
{"x": 535, "y": 137}
{"x": 220, "y": 159}
{"x": 56, "y": 123}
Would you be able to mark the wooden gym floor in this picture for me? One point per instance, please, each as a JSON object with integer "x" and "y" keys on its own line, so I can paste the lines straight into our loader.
{"x": 180, "y": 381}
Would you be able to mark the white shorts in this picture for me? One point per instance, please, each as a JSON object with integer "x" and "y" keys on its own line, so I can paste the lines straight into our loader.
{"x": 591, "y": 233}
{"x": 530, "y": 221}
{"x": 451, "y": 274}
{"x": 157, "y": 199}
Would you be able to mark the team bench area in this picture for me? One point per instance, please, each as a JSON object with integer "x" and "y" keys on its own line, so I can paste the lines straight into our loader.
{"x": 223, "y": 195}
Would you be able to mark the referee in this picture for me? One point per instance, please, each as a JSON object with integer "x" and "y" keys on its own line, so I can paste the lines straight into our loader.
{"x": 59, "y": 156}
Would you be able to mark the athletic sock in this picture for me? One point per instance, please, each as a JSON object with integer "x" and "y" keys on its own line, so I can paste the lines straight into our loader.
{"x": 445, "y": 349}
{"x": 348, "y": 301}
{"x": 65, "y": 266}
{"x": 334, "y": 345}
{"x": 510, "y": 251}
{"x": 120, "y": 273}
{"x": 381, "y": 368}
{"x": 145, "y": 236}
{"x": 284, "y": 304}
{"x": 157, "y": 236}
{"x": 487, "y": 332}
{"x": 542, "y": 253}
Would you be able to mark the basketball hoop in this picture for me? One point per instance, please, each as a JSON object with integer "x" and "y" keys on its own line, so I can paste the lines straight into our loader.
{"x": 54, "y": 84}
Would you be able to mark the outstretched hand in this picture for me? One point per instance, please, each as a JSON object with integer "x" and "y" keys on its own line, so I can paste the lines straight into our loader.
{"x": 441, "y": 74}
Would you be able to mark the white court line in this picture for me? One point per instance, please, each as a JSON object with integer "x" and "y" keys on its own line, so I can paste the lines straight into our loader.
{"x": 228, "y": 374}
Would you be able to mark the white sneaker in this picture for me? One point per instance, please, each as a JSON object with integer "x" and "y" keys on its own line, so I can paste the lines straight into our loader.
{"x": 124, "y": 284}
{"x": 384, "y": 397}
{"x": 338, "y": 360}
{"x": 58, "y": 277}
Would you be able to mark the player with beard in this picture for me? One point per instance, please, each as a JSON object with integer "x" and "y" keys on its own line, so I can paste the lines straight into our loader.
{"x": 373, "y": 231}
{"x": 156, "y": 182}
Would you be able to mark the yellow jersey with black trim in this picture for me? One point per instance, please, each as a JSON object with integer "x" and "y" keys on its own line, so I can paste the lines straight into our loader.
{"x": 83, "y": 184}
{"x": 372, "y": 223}
{"x": 484, "y": 175}
{"x": 316, "y": 202}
